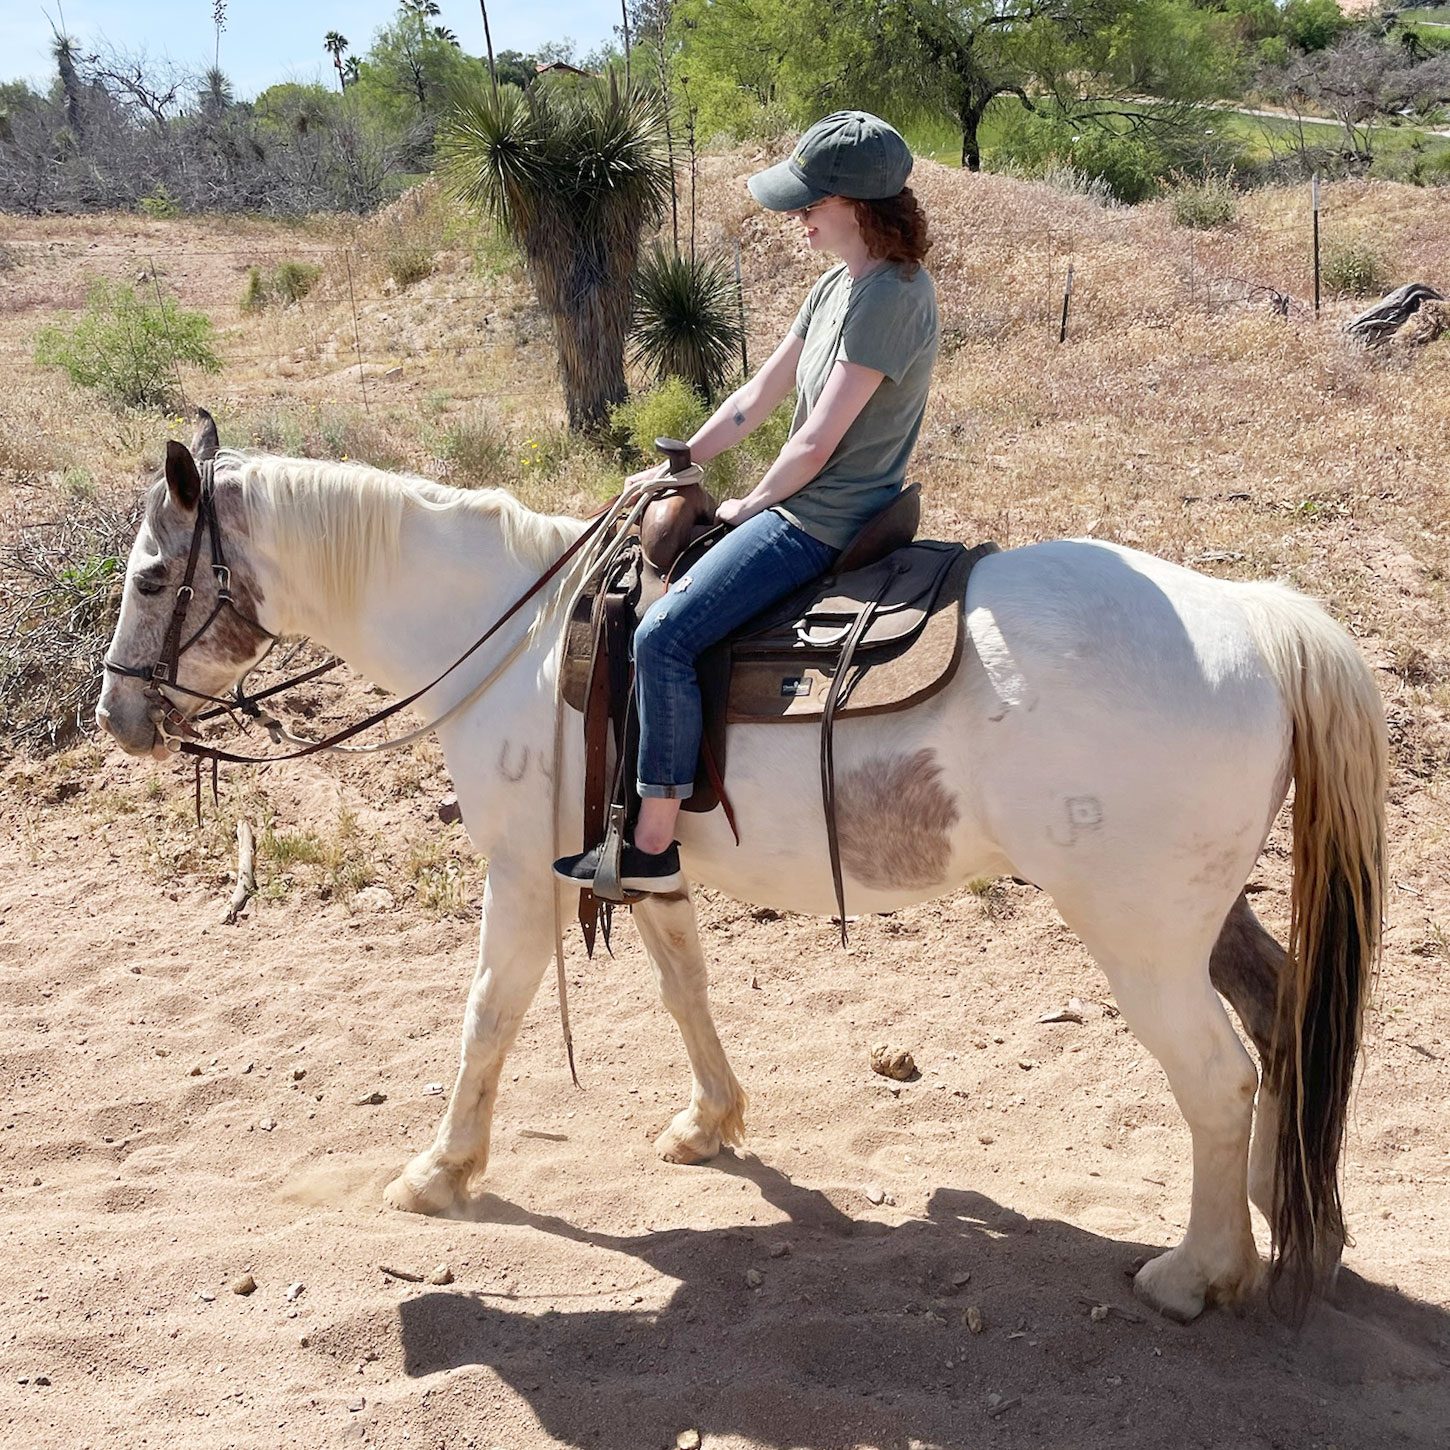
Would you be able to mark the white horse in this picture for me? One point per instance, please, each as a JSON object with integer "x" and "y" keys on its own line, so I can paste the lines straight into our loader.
{"x": 1122, "y": 733}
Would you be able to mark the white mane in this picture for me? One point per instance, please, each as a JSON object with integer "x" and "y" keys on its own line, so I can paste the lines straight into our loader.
{"x": 340, "y": 521}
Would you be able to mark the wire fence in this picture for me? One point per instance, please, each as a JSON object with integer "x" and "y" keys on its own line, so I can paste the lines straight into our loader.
{"x": 1063, "y": 283}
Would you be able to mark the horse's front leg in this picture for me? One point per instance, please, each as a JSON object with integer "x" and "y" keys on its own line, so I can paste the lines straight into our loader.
{"x": 716, "y": 1112}
{"x": 514, "y": 949}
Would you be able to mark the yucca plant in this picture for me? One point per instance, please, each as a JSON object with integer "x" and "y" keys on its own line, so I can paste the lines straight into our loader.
{"x": 574, "y": 171}
{"x": 686, "y": 319}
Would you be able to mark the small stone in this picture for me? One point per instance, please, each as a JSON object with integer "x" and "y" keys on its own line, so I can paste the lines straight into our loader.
{"x": 894, "y": 1062}
{"x": 304, "y": 1340}
{"x": 1099, "y": 1313}
{"x": 267, "y": 1124}
{"x": 1026, "y": 1064}
{"x": 962, "y": 1279}
{"x": 247, "y": 1068}
{"x": 42, "y": 1379}
{"x": 245, "y": 1285}
{"x": 432, "y": 1089}
{"x": 195, "y": 1072}
{"x": 779, "y": 1251}
{"x": 974, "y": 1320}
{"x": 985, "y": 1138}
{"x": 292, "y": 1291}
{"x": 355, "y": 1405}
{"x": 449, "y": 811}
{"x": 875, "y": 1194}
{"x": 1073, "y": 1012}
{"x": 373, "y": 899}
{"x": 687, "y": 1440}
{"x": 205, "y": 1295}
{"x": 754, "y": 1278}
{"x": 372, "y": 1100}
{"x": 298, "y": 1073}
{"x": 441, "y": 1274}
{"x": 392, "y": 374}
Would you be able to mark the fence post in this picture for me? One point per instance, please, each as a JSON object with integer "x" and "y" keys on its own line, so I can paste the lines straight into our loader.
{"x": 740, "y": 303}
{"x": 1066, "y": 303}
{"x": 356, "y": 334}
{"x": 1315, "y": 195}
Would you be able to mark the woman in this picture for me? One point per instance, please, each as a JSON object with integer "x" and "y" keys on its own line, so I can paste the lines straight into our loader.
{"x": 860, "y": 354}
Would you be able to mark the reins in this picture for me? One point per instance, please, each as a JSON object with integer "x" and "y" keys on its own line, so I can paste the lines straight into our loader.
{"x": 620, "y": 513}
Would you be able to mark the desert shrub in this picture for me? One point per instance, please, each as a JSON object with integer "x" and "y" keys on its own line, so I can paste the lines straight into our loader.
{"x": 286, "y": 283}
{"x": 670, "y": 409}
{"x": 477, "y": 452}
{"x": 686, "y": 320}
{"x": 8, "y": 259}
{"x": 59, "y": 596}
{"x": 1356, "y": 267}
{"x": 159, "y": 204}
{"x": 408, "y": 260}
{"x": 127, "y": 348}
{"x": 1205, "y": 203}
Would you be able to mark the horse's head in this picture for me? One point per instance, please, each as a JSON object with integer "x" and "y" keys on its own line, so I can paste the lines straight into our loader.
{"x": 189, "y": 627}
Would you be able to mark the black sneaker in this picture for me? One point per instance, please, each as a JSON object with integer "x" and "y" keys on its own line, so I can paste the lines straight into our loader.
{"x": 638, "y": 870}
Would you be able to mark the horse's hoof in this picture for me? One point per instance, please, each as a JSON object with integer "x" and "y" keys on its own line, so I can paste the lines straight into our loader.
{"x": 430, "y": 1194}
{"x": 1172, "y": 1286}
{"x": 684, "y": 1141}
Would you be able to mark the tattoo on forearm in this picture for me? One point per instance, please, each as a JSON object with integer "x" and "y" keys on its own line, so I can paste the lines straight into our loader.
{"x": 737, "y": 417}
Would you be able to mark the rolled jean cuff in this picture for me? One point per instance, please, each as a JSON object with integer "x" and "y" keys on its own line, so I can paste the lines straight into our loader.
{"x": 664, "y": 792}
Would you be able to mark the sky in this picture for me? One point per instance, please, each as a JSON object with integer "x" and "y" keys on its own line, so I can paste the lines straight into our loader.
{"x": 275, "y": 40}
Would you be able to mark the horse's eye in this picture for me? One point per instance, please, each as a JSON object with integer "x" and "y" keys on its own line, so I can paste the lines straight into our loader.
{"x": 149, "y": 584}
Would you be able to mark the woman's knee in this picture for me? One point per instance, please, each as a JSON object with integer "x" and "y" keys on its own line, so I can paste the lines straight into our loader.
{"x": 658, "y": 634}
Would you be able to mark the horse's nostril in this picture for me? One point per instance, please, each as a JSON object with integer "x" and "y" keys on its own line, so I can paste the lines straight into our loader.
{"x": 103, "y": 718}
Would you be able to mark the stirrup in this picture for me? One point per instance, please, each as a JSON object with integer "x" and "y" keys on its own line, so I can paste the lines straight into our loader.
{"x": 606, "y": 879}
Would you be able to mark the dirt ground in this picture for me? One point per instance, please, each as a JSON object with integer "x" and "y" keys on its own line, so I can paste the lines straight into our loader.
{"x": 188, "y": 1102}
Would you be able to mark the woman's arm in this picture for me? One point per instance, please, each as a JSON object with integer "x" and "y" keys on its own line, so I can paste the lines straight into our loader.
{"x": 750, "y": 404}
{"x": 806, "y": 453}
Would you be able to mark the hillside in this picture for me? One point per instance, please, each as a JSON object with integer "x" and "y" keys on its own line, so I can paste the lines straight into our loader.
{"x": 188, "y": 1102}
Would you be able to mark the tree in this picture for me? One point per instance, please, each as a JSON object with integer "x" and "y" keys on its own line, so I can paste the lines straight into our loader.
{"x": 335, "y": 44}
{"x": 574, "y": 172}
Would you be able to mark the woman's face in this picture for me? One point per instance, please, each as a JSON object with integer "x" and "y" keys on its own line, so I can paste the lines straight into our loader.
{"x": 829, "y": 224}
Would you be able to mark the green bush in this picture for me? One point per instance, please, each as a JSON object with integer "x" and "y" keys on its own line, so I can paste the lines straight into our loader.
{"x": 127, "y": 348}
{"x": 287, "y": 283}
{"x": 1356, "y": 267}
{"x": 160, "y": 205}
{"x": 670, "y": 409}
{"x": 1204, "y": 204}
{"x": 673, "y": 409}
{"x": 408, "y": 261}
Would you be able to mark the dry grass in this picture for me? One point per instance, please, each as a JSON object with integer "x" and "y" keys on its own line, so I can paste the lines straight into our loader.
{"x": 1182, "y": 416}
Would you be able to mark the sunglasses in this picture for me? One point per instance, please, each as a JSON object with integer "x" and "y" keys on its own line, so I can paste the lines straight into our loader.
{"x": 804, "y": 212}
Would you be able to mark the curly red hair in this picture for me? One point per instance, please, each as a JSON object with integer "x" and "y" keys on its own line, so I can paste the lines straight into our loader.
{"x": 894, "y": 229}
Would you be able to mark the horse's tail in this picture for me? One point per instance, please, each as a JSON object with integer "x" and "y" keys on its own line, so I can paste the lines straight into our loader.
{"x": 1339, "y": 762}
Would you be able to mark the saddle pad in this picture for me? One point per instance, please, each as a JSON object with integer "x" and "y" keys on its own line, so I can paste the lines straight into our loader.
{"x": 780, "y": 673}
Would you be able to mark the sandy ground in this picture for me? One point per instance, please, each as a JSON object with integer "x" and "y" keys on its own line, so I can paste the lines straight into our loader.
{"x": 187, "y": 1102}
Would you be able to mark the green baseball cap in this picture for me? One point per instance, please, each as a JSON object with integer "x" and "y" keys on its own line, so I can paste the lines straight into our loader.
{"x": 850, "y": 153}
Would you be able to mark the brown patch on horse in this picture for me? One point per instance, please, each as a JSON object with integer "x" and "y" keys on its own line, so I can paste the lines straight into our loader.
{"x": 1245, "y": 967}
{"x": 895, "y": 819}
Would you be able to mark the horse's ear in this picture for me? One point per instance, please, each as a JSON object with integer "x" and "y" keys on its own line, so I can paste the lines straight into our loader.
{"x": 205, "y": 441}
{"x": 183, "y": 478}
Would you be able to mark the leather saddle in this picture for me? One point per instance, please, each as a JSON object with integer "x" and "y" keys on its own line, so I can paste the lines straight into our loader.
{"x": 884, "y": 631}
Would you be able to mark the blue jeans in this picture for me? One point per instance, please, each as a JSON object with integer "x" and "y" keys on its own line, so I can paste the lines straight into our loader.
{"x": 751, "y": 568}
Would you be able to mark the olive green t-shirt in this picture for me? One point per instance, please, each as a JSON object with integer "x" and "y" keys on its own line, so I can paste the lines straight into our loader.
{"x": 887, "y": 321}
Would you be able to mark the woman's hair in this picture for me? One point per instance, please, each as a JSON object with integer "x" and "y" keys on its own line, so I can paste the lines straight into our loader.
{"x": 894, "y": 229}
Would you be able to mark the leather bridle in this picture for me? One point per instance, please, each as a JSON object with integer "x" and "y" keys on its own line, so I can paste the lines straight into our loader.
{"x": 161, "y": 675}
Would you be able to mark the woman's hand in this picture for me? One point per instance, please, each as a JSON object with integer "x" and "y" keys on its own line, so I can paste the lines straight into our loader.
{"x": 733, "y": 511}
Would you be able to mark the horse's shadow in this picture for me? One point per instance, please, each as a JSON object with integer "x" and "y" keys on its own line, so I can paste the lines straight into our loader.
{"x": 857, "y": 1335}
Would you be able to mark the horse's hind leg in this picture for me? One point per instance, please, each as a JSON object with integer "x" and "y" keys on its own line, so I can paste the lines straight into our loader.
{"x": 716, "y": 1112}
{"x": 1159, "y": 975}
{"x": 1245, "y": 967}
{"x": 513, "y": 951}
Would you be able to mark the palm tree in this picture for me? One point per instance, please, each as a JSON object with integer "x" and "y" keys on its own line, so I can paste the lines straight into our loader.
{"x": 574, "y": 173}
{"x": 335, "y": 43}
